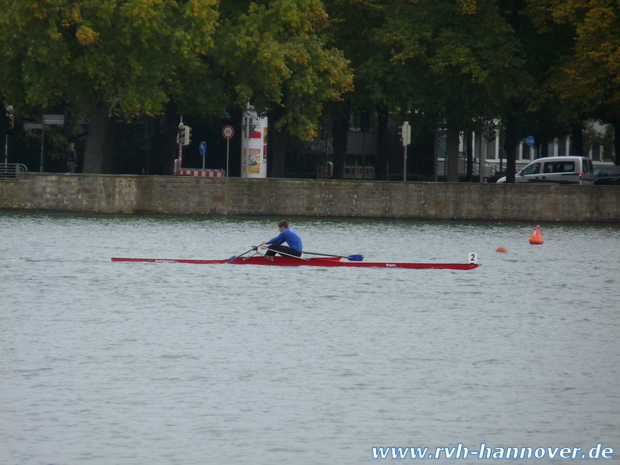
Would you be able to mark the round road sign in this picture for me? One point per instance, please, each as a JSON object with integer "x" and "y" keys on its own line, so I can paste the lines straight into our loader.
{"x": 228, "y": 132}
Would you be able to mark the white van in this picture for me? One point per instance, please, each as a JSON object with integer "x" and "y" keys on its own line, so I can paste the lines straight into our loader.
{"x": 558, "y": 170}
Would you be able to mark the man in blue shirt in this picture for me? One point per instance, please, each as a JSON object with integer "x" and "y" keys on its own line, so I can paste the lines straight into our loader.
{"x": 287, "y": 235}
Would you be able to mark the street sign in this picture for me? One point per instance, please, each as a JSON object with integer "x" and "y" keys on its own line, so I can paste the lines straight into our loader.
{"x": 58, "y": 120}
{"x": 228, "y": 132}
{"x": 529, "y": 141}
{"x": 405, "y": 133}
{"x": 203, "y": 151}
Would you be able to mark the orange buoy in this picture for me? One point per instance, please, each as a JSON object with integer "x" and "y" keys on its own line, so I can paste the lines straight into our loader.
{"x": 537, "y": 238}
{"x": 501, "y": 250}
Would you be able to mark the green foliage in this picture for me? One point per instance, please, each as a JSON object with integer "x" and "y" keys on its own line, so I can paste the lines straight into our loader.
{"x": 460, "y": 58}
{"x": 137, "y": 55}
{"x": 91, "y": 51}
{"x": 462, "y": 61}
{"x": 276, "y": 56}
{"x": 590, "y": 74}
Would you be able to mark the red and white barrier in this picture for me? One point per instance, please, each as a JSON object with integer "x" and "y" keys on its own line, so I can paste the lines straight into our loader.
{"x": 202, "y": 173}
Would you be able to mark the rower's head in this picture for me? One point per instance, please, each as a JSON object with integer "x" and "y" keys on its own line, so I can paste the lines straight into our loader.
{"x": 283, "y": 225}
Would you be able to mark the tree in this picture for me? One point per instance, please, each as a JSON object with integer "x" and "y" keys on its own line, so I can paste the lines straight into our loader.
{"x": 145, "y": 57}
{"x": 275, "y": 55}
{"x": 587, "y": 78}
{"x": 108, "y": 58}
{"x": 352, "y": 28}
{"x": 457, "y": 62}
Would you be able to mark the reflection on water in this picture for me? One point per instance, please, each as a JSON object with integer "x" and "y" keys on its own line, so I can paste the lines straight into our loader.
{"x": 138, "y": 363}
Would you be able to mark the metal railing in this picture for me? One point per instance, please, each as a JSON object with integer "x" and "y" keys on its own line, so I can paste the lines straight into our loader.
{"x": 10, "y": 170}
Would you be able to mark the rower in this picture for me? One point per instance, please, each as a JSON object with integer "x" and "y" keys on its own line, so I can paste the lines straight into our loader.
{"x": 287, "y": 235}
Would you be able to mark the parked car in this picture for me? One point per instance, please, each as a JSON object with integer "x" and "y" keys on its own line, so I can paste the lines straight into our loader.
{"x": 557, "y": 170}
{"x": 607, "y": 176}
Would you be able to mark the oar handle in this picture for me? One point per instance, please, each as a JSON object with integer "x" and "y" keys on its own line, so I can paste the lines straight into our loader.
{"x": 255, "y": 247}
{"x": 287, "y": 254}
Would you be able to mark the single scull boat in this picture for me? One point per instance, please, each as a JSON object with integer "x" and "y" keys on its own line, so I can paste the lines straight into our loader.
{"x": 294, "y": 261}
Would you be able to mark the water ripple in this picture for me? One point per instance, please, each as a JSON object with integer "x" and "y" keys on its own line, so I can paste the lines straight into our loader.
{"x": 133, "y": 363}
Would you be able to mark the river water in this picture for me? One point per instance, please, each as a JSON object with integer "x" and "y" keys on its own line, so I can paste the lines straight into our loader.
{"x": 138, "y": 363}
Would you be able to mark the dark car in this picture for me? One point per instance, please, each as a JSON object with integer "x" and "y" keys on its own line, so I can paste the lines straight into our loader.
{"x": 607, "y": 176}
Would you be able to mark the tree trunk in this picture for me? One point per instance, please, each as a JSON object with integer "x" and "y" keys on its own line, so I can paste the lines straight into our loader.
{"x": 100, "y": 153}
{"x": 380, "y": 163}
{"x": 171, "y": 150}
{"x": 577, "y": 139}
{"x": 340, "y": 132}
{"x": 469, "y": 150}
{"x": 545, "y": 139}
{"x": 616, "y": 125}
{"x": 3, "y": 138}
{"x": 278, "y": 144}
{"x": 452, "y": 153}
{"x": 511, "y": 144}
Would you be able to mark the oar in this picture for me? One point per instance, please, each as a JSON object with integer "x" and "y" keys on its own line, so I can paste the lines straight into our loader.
{"x": 238, "y": 256}
{"x": 352, "y": 258}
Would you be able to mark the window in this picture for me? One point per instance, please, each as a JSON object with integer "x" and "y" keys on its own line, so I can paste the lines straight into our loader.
{"x": 560, "y": 167}
{"x": 532, "y": 169}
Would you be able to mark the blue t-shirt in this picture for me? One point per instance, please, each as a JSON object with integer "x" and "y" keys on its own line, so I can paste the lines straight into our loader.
{"x": 289, "y": 236}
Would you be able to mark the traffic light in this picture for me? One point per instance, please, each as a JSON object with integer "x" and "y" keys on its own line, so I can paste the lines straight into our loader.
{"x": 187, "y": 135}
{"x": 181, "y": 133}
{"x": 10, "y": 118}
{"x": 405, "y": 133}
{"x": 492, "y": 132}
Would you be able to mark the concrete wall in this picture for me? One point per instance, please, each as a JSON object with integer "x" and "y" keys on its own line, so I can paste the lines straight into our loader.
{"x": 179, "y": 195}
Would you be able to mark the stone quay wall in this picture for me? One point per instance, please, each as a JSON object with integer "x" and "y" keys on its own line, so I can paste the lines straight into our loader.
{"x": 282, "y": 198}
